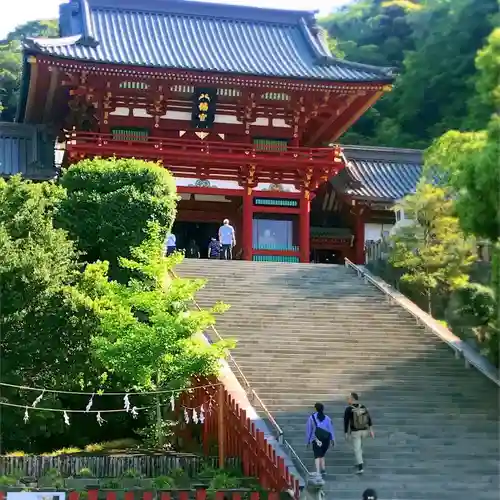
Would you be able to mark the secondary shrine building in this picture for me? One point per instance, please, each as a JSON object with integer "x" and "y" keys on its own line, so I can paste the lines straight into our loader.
{"x": 243, "y": 105}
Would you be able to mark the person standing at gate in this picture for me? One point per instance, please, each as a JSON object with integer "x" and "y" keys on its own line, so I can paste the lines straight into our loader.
{"x": 214, "y": 249}
{"x": 320, "y": 433}
{"x": 357, "y": 427}
{"x": 227, "y": 240}
{"x": 170, "y": 244}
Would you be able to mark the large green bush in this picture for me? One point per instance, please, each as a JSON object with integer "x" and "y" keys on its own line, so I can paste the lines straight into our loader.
{"x": 109, "y": 204}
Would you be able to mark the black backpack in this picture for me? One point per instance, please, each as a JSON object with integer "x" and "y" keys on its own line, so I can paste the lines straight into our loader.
{"x": 320, "y": 433}
{"x": 360, "y": 418}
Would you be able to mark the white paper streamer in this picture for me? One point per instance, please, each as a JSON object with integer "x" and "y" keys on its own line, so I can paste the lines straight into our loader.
{"x": 126, "y": 403}
{"x": 89, "y": 404}
{"x": 26, "y": 416}
{"x": 186, "y": 416}
{"x": 172, "y": 402}
{"x": 202, "y": 414}
{"x": 66, "y": 418}
{"x": 38, "y": 399}
{"x": 195, "y": 416}
{"x": 134, "y": 412}
{"x": 100, "y": 420}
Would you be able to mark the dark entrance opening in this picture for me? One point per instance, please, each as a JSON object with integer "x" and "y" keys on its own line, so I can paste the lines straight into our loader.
{"x": 198, "y": 232}
{"x": 327, "y": 257}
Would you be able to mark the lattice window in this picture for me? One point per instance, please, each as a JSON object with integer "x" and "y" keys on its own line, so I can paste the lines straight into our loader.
{"x": 228, "y": 92}
{"x": 263, "y": 144}
{"x": 182, "y": 89}
{"x": 275, "y": 96}
{"x": 130, "y": 134}
{"x": 134, "y": 85}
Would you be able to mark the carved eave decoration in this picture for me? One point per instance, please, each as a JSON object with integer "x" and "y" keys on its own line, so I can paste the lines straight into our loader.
{"x": 211, "y": 79}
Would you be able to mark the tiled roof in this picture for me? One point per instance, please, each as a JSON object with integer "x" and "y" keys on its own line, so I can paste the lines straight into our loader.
{"x": 382, "y": 173}
{"x": 198, "y": 36}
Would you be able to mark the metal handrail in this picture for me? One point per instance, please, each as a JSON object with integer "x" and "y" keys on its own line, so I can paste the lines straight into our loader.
{"x": 470, "y": 355}
{"x": 296, "y": 459}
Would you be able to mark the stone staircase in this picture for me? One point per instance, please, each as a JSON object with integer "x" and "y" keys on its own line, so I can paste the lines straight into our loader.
{"x": 309, "y": 333}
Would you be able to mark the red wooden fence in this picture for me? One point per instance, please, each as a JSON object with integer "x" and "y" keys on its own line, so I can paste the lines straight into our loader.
{"x": 240, "y": 439}
{"x": 200, "y": 494}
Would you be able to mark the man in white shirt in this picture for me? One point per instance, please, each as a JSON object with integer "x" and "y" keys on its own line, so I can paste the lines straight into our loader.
{"x": 227, "y": 240}
{"x": 170, "y": 244}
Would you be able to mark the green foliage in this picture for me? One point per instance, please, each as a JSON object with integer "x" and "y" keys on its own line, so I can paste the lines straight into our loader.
{"x": 433, "y": 44}
{"x": 110, "y": 202}
{"x": 45, "y": 323}
{"x": 145, "y": 336}
{"x": 432, "y": 250}
{"x": 6, "y": 481}
{"x": 469, "y": 162}
{"x": 163, "y": 483}
{"x": 85, "y": 472}
{"x": 11, "y": 62}
{"x": 67, "y": 325}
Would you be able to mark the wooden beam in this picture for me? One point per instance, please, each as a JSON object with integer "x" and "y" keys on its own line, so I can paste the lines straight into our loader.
{"x": 30, "y": 101}
{"x": 344, "y": 104}
{"x": 49, "y": 100}
{"x": 341, "y": 127}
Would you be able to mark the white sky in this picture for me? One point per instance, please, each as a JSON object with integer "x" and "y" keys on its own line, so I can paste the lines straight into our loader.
{"x": 16, "y": 12}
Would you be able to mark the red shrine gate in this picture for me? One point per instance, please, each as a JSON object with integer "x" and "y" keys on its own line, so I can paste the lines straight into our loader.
{"x": 242, "y": 166}
{"x": 239, "y": 103}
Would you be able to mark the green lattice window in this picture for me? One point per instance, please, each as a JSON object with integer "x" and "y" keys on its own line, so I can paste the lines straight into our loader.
{"x": 275, "y": 202}
{"x": 270, "y": 144}
{"x": 274, "y": 258}
{"x": 130, "y": 134}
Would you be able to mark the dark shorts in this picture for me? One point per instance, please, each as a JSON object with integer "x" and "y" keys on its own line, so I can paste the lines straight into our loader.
{"x": 170, "y": 250}
{"x": 320, "y": 451}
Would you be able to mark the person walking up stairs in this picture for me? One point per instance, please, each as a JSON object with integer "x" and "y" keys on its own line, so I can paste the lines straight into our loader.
{"x": 357, "y": 427}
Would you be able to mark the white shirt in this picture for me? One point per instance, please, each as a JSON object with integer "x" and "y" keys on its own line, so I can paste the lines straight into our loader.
{"x": 171, "y": 240}
{"x": 226, "y": 234}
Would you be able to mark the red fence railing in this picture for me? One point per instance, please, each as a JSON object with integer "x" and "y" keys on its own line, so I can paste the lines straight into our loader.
{"x": 199, "y": 494}
{"x": 188, "y": 150}
{"x": 237, "y": 437}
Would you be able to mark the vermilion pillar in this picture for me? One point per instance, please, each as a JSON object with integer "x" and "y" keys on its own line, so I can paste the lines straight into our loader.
{"x": 305, "y": 227}
{"x": 360, "y": 237}
{"x": 247, "y": 230}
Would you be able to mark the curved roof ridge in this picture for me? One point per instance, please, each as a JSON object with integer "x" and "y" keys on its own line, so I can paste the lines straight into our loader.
{"x": 52, "y": 42}
{"x": 209, "y": 9}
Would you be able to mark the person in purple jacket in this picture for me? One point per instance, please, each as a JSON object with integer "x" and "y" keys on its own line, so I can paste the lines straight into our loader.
{"x": 320, "y": 434}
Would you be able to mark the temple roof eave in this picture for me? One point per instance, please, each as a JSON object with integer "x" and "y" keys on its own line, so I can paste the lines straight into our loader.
{"x": 197, "y": 36}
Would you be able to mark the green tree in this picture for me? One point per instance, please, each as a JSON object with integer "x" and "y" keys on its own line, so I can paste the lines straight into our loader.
{"x": 148, "y": 335}
{"x": 432, "y": 250}
{"x": 45, "y": 323}
{"x": 470, "y": 162}
{"x": 11, "y": 62}
{"x": 109, "y": 204}
{"x": 432, "y": 44}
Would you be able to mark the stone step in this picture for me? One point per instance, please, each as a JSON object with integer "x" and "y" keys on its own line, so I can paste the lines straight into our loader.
{"x": 308, "y": 333}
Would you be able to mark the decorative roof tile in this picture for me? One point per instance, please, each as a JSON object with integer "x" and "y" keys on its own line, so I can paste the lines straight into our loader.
{"x": 197, "y": 36}
{"x": 386, "y": 174}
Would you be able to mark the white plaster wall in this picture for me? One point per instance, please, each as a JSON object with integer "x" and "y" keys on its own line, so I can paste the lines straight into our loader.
{"x": 374, "y": 232}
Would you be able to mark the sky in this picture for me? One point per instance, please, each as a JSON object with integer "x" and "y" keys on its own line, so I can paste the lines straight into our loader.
{"x": 21, "y": 11}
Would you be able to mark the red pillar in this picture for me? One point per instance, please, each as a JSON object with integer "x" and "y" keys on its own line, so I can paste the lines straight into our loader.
{"x": 247, "y": 230}
{"x": 360, "y": 238}
{"x": 305, "y": 227}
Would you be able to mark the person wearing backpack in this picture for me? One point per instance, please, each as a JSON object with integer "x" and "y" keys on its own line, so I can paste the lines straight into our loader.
{"x": 357, "y": 427}
{"x": 320, "y": 434}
